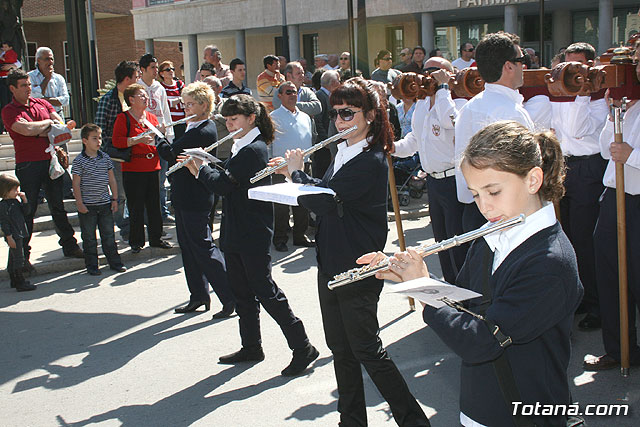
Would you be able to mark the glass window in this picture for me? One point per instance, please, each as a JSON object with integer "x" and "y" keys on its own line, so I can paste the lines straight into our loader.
{"x": 449, "y": 38}
{"x": 32, "y": 47}
{"x": 585, "y": 26}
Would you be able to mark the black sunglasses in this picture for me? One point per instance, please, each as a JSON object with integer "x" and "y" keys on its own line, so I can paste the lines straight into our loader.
{"x": 525, "y": 59}
{"x": 168, "y": 69}
{"x": 345, "y": 114}
{"x": 469, "y": 50}
{"x": 289, "y": 92}
{"x": 344, "y": 59}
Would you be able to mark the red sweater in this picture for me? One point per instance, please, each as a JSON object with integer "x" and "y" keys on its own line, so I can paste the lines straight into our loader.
{"x": 9, "y": 57}
{"x": 144, "y": 158}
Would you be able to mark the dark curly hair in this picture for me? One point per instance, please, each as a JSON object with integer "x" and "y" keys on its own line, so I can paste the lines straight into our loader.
{"x": 246, "y": 105}
{"x": 362, "y": 93}
{"x": 510, "y": 147}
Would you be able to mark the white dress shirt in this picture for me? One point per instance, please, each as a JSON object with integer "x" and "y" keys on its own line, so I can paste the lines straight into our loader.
{"x": 577, "y": 124}
{"x": 493, "y": 104}
{"x": 239, "y": 144}
{"x": 432, "y": 133}
{"x": 502, "y": 243}
{"x": 191, "y": 125}
{"x": 56, "y": 88}
{"x": 347, "y": 152}
{"x": 630, "y": 135}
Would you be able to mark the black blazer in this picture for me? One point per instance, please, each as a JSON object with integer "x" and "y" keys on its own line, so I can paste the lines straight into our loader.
{"x": 354, "y": 222}
{"x": 186, "y": 192}
{"x": 247, "y": 225}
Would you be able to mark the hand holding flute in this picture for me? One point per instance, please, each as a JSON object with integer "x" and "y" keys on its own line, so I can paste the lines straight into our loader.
{"x": 181, "y": 163}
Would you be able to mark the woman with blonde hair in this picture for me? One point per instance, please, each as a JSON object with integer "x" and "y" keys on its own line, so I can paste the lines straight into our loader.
{"x": 203, "y": 261}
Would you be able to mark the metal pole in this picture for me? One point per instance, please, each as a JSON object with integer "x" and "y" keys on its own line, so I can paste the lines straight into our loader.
{"x": 363, "y": 46}
{"x": 541, "y": 17}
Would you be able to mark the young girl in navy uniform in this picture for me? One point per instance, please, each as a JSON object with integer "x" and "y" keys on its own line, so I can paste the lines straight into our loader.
{"x": 245, "y": 236}
{"x": 352, "y": 222}
{"x": 527, "y": 274}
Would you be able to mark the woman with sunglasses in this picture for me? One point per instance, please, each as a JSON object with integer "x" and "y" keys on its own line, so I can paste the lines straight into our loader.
{"x": 173, "y": 87}
{"x": 353, "y": 221}
{"x": 384, "y": 73}
{"x": 245, "y": 235}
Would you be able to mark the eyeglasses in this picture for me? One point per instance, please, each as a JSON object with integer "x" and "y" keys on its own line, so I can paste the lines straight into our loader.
{"x": 191, "y": 104}
{"x": 469, "y": 50}
{"x": 344, "y": 59}
{"x": 289, "y": 92}
{"x": 168, "y": 69}
{"x": 403, "y": 54}
{"x": 386, "y": 58}
{"x": 345, "y": 114}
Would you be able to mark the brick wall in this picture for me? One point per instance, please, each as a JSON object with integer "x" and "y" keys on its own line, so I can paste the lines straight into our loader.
{"x": 38, "y": 8}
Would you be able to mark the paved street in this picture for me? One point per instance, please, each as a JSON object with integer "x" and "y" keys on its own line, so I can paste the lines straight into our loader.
{"x": 110, "y": 352}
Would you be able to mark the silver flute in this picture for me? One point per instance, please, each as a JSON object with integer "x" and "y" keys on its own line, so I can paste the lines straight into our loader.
{"x": 172, "y": 124}
{"x": 356, "y": 274}
{"x": 211, "y": 147}
{"x": 270, "y": 170}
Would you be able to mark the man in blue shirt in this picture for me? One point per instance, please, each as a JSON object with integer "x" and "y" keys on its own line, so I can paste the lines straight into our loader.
{"x": 46, "y": 83}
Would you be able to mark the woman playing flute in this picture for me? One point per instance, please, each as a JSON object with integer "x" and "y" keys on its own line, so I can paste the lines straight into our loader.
{"x": 245, "y": 236}
{"x": 192, "y": 201}
{"x": 527, "y": 275}
{"x": 352, "y": 222}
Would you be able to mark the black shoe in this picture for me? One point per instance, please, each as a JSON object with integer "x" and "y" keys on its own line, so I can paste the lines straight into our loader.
{"x": 25, "y": 287}
{"x": 301, "y": 359}
{"x": 163, "y": 244}
{"x": 94, "y": 271}
{"x": 227, "y": 310}
{"x": 245, "y": 354}
{"x": 589, "y": 323}
{"x": 118, "y": 267}
{"x": 281, "y": 247}
{"x": 192, "y": 306}
{"x": 135, "y": 249}
{"x": 75, "y": 253}
{"x": 304, "y": 242}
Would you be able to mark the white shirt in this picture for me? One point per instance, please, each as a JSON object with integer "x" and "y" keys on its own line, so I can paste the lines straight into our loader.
{"x": 631, "y": 135}
{"x": 502, "y": 243}
{"x": 56, "y": 88}
{"x": 159, "y": 105}
{"x": 432, "y": 133}
{"x": 191, "y": 125}
{"x": 347, "y": 152}
{"x": 494, "y": 103}
{"x": 461, "y": 63}
{"x": 239, "y": 144}
{"x": 577, "y": 124}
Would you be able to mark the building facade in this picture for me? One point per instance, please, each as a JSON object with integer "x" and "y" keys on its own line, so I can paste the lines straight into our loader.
{"x": 250, "y": 29}
{"x": 44, "y": 25}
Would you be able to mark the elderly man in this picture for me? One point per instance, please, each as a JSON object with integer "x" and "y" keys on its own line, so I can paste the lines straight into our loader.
{"x": 405, "y": 56}
{"x": 294, "y": 129}
{"x": 269, "y": 80}
{"x": 467, "y": 53}
{"x": 236, "y": 85}
{"x": 110, "y": 105}
{"x": 28, "y": 121}
{"x": 321, "y": 159}
{"x": 46, "y": 83}
{"x": 307, "y": 100}
{"x": 213, "y": 56}
{"x": 322, "y": 61}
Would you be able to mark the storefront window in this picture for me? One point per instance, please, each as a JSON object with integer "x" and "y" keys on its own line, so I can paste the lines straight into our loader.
{"x": 585, "y": 26}
{"x": 449, "y": 38}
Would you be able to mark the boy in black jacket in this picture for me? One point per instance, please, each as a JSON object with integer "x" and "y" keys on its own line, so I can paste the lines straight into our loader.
{"x": 12, "y": 211}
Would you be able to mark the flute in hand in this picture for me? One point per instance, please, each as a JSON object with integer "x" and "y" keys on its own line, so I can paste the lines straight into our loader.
{"x": 363, "y": 272}
{"x": 172, "y": 124}
{"x": 270, "y": 170}
{"x": 211, "y": 147}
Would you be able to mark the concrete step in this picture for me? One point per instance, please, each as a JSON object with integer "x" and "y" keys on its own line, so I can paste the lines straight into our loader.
{"x": 6, "y": 139}
{"x": 9, "y": 162}
{"x": 6, "y": 148}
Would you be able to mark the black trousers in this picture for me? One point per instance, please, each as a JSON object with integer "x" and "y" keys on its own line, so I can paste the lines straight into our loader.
{"x": 203, "y": 262}
{"x": 281, "y": 225}
{"x": 252, "y": 286}
{"x": 471, "y": 217}
{"x": 446, "y": 220}
{"x": 33, "y": 176}
{"x": 606, "y": 262}
{"x": 143, "y": 192}
{"x": 350, "y": 321}
{"x": 16, "y": 256}
{"x": 579, "y": 210}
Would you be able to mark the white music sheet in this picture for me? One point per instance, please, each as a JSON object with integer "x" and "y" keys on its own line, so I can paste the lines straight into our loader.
{"x": 430, "y": 291}
{"x": 286, "y": 193}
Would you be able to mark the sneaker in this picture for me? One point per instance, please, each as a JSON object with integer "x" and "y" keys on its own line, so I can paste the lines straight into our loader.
{"x": 118, "y": 267}
{"x": 302, "y": 357}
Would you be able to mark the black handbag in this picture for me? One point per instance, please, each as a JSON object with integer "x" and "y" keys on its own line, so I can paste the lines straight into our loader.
{"x": 119, "y": 154}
